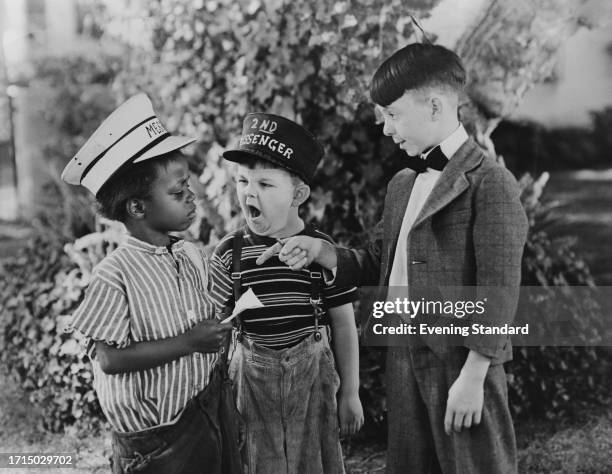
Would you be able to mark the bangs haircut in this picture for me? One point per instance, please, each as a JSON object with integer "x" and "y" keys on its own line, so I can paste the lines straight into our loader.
{"x": 132, "y": 181}
{"x": 417, "y": 66}
{"x": 252, "y": 162}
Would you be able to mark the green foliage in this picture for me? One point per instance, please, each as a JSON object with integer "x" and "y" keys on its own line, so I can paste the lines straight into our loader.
{"x": 210, "y": 63}
{"x": 582, "y": 445}
{"x": 40, "y": 289}
{"x": 551, "y": 381}
{"x": 41, "y": 286}
{"x": 78, "y": 95}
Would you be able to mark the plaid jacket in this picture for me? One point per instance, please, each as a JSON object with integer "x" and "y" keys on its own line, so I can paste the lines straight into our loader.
{"x": 470, "y": 233}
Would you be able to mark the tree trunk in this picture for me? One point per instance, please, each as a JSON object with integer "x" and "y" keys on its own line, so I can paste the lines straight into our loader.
{"x": 509, "y": 47}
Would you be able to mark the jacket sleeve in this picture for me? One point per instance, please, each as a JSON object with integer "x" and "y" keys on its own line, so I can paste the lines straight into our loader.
{"x": 360, "y": 267}
{"x": 499, "y": 235}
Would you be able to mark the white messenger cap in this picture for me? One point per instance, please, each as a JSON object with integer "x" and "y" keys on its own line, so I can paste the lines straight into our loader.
{"x": 132, "y": 133}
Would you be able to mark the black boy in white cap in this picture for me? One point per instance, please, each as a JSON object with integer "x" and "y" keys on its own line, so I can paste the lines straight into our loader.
{"x": 131, "y": 134}
{"x": 147, "y": 315}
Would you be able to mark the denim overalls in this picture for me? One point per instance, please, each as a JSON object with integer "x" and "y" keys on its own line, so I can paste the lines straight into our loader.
{"x": 287, "y": 398}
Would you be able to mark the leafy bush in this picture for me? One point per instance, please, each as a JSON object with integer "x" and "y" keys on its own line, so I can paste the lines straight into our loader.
{"x": 42, "y": 285}
{"x": 549, "y": 381}
{"x": 210, "y": 63}
{"x": 40, "y": 289}
{"x": 78, "y": 96}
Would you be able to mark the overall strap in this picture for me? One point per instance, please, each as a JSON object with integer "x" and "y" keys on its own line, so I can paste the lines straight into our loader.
{"x": 237, "y": 244}
{"x": 316, "y": 297}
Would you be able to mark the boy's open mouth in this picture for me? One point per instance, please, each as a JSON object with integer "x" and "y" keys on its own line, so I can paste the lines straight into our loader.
{"x": 253, "y": 211}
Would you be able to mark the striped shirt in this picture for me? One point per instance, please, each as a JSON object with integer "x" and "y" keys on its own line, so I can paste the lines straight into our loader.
{"x": 287, "y": 316}
{"x": 141, "y": 292}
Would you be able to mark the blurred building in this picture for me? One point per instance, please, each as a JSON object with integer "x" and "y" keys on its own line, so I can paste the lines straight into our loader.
{"x": 582, "y": 84}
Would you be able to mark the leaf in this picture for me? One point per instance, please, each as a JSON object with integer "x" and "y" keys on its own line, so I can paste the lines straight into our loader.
{"x": 70, "y": 347}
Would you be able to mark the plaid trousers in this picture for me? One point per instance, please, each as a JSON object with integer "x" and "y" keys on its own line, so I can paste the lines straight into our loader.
{"x": 417, "y": 382}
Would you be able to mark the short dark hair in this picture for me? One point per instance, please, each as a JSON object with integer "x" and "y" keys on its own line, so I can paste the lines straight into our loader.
{"x": 416, "y": 66}
{"x": 132, "y": 181}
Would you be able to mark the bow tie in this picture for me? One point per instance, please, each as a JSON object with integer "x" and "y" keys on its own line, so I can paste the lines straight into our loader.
{"x": 435, "y": 160}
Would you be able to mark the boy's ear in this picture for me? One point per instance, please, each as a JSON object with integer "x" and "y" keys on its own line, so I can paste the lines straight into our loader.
{"x": 437, "y": 108}
{"x": 300, "y": 194}
{"x": 135, "y": 208}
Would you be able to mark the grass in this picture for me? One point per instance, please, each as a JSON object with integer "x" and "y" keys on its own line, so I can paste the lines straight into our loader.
{"x": 20, "y": 431}
{"x": 582, "y": 444}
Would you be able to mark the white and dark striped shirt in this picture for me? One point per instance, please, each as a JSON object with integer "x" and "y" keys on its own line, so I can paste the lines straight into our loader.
{"x": 141, "y": 292}
{"x": 287, "y": 316}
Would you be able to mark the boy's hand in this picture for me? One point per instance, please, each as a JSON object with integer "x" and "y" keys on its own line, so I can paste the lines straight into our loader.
{"x": 300, "y": 251}
{"x": 296, "y": 252}
{"x": 208, "y": 336}
{"x": 464, "y": 404}
{"x": 350, "y": 414}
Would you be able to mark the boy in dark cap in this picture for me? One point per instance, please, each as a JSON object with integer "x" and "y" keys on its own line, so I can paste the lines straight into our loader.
{"x": 283, "y": 368}
{"x": 454, "y": 220}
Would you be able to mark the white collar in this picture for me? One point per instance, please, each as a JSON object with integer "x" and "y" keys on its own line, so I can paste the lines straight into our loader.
{"x": 452, "y": 143}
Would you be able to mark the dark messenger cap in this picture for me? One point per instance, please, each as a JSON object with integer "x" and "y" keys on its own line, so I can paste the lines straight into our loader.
{"x": 280, "y": 141}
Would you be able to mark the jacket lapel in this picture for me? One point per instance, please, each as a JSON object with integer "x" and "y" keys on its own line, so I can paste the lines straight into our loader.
{"x": 452, "y": 181}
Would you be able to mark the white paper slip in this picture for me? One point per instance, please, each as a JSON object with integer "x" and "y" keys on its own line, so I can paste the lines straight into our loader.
{"x": 248, "y": 300}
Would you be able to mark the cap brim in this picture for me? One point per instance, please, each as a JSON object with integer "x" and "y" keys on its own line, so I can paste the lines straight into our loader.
{"x": 167, "y": 145}
{"x": 239, "y": 156}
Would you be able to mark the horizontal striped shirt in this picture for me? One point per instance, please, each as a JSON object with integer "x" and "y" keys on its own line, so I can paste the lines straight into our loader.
{"x": 141, "y": 292}
{"x": 287, "y": 316}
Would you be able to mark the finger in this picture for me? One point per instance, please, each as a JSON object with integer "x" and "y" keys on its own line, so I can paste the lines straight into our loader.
{"x": 296, "y": 251}
{"x": 301, "y": 264}
{"x": 448, "y": 420}
{"x": 290, "y": 256}
{"x": 458, "y": 422}
{"x": 269, "y": 253}
{"x": 477, "y": 417}
{"x": 297, "y": 258}
{"x": 288, "y": 245}
{"x": 467, "y": 420}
